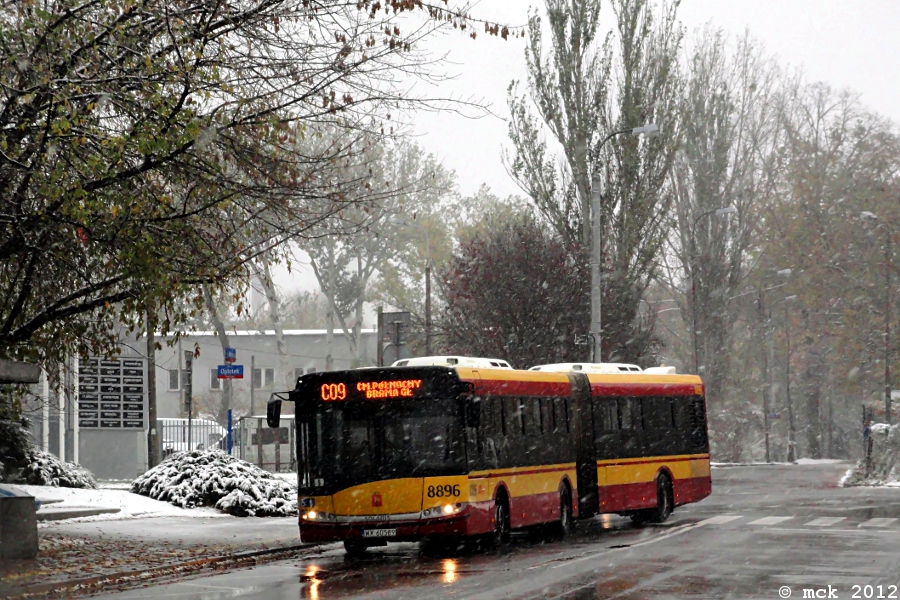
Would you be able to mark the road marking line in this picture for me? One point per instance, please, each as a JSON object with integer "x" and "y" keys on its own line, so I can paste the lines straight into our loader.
{"x": 720, "y": 520}
{"x": 678, "y": 530}
{"x": 824, "y": 521}
{"x": 770, "y": 520}
{"x": 878, "y": 522}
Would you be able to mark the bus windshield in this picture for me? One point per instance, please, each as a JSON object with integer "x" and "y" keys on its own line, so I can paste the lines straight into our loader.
{"x": 349, "y": 443}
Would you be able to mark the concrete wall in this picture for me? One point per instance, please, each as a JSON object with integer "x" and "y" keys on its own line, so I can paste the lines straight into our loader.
{"x": 107, "y": 453}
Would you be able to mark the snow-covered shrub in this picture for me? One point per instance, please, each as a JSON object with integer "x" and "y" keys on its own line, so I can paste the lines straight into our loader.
{"x": 884, "y": 466}
{"x": 42, "y": 468}
{"x": 213, "y": 478}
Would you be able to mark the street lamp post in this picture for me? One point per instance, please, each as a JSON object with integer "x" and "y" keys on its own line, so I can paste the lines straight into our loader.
{"x": 401, "y": 221}
{"x": 649, "y": 130}
{"x": 769, "y": 397}
{"x": 725, "y": 210}
{"x": 792, "y": 432}
{"x": 427, "y": 293}
{"x": 888, "y": 248}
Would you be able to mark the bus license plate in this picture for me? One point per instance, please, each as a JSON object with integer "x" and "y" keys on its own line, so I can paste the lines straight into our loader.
{"x": 368, "y": 533}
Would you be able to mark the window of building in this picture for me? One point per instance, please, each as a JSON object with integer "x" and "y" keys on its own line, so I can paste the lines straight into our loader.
{"x": 214, "y": 382}
{"x": 174, "y": 384}
{"x": 263, "y": 377}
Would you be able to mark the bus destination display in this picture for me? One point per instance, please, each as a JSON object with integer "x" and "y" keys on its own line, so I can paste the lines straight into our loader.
{"x": 370, "y": 390}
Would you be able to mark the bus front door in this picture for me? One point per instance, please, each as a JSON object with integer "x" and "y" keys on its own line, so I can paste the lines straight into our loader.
{"x": 585, "y": 459}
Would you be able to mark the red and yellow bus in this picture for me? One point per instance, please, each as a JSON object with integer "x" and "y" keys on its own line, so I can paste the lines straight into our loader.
{"x": 442, "y": 452}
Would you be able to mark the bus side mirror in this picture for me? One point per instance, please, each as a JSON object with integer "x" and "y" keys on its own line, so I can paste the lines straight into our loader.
{"x": 473, "y": 411}
{"x": 273, "y": 413}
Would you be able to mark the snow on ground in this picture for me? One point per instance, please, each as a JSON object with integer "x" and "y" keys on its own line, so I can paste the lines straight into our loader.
{"x": 818, "y": 461}
{"x": 882, "y": 469}
{"x": 130, "y": 505}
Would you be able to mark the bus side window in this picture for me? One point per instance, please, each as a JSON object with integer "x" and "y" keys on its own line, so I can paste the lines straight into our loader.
{"x": 520, "y": 414}
{"x": 658, "y": 414}
{"x": 682, "y": 413}
{"x": 624, "y": 410}
{"x": 637, "y": 413}
{"x": 501, "y": 402}
{"x": 554, "y": 425}
{"x": 538, "y": 405}
{"x": 698, "y": 425}
{"x": 566, "y": 412}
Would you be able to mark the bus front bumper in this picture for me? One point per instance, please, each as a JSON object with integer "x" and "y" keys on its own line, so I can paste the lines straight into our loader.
{"x": 471, "y": 521}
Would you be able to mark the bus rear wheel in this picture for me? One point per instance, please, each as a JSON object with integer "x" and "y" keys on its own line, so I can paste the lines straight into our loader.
{"x": 665, "y": 503}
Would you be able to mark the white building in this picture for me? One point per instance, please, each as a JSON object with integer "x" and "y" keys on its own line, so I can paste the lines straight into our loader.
{"x": 304, "y": 352}
{"x": 108, "y": 435}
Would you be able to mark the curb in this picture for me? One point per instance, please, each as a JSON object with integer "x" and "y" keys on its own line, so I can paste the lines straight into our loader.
{"x": 58, "y": 514}
{"x": 90, "y": 585}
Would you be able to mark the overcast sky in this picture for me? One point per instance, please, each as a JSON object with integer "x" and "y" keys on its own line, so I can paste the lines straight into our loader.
{"x": 847, "y": 44}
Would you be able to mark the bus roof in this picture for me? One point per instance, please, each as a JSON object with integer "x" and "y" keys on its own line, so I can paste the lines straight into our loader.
{"x": 589, "y": 367}
{"x": 453, "y": 361}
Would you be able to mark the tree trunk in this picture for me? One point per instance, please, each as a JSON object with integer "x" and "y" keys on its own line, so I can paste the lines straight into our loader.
{"x": 265, "y": 278}
{"x": 329, "y": 315}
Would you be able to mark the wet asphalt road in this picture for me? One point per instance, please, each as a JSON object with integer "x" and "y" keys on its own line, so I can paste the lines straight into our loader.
{"x": 765, "y": 531}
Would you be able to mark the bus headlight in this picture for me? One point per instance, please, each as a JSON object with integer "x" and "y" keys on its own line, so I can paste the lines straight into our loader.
{"x": 443, "y": 511}
{"x": 313, "y": 515}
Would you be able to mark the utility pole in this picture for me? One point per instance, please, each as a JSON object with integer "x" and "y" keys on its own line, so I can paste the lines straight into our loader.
{"x": 771, "y": 399}
{"x": 428, "y": 309}
{"x": 596, "y": 273}
{"x": 379, "y": 333}
{"x": 188, "y": 390}
{"x": 45, "y": 411}
{"x": 75, "y": 424}
{"x": 253, "y": 385}
{"x": 61, "y": 407}
{"x": 887, "y": 325}
{"x": 152, "y": 441}
{"x": 791, "y": 457}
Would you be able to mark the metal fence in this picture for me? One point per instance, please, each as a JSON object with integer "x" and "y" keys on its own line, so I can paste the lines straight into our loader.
{"x": 270, "y": 449}
{"x": 204, "y": 435}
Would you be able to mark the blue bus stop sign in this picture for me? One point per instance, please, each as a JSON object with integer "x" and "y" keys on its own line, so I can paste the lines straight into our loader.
{"x": 230, "y": 355}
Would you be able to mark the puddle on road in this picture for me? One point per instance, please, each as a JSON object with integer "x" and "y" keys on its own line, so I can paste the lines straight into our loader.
{"x": 379, "y": 571}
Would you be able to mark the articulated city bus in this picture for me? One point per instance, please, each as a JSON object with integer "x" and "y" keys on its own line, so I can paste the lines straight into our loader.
{"x": 441, "y": 452}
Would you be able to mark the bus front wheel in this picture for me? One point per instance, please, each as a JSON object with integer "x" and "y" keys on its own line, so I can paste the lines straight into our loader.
{"x": 501, "y": 533}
